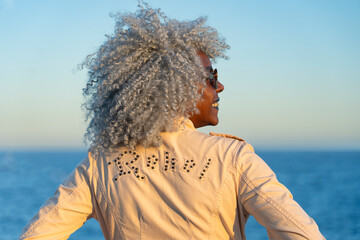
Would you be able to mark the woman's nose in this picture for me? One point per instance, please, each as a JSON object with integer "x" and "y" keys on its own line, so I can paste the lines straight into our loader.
{"x": 220, "y": 87}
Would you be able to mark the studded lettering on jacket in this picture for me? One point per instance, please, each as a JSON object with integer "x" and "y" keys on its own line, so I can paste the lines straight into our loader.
{"x": 129, "y": 162}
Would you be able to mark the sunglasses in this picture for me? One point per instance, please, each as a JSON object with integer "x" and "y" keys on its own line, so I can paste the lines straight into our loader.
{"x": 213, "y": 77}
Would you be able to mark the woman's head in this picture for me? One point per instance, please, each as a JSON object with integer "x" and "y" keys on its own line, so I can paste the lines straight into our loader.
{"x": 145, "y": 76}
{"x": 208, "y": 104}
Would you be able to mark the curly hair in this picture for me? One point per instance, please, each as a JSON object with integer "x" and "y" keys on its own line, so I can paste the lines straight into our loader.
{"x": 145, "y": 76}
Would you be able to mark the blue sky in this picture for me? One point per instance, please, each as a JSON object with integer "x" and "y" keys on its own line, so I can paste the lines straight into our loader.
{"x": 292, "y": 81}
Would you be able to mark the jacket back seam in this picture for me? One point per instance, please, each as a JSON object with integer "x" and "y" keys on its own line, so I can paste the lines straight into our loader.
{"x": 113, "y": 209}
{"x": 217, "y": 205}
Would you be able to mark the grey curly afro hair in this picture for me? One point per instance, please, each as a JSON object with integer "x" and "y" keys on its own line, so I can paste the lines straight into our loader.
{"x": 145, "y": 76}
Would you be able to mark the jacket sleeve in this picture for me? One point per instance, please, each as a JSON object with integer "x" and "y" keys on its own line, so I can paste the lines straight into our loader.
{"x": 270, "y": 202}
{"x": 66, "y": 211}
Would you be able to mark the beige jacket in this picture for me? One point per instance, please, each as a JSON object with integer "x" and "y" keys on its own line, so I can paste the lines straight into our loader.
{"x": 194, "y": 186}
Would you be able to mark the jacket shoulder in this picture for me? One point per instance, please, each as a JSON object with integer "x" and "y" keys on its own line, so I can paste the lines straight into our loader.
{"x": 227, "y": 136}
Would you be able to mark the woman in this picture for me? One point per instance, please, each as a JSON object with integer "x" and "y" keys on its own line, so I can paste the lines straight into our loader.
{"x": 149, "y": 173}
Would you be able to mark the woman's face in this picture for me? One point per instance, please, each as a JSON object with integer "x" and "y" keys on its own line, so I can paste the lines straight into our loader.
{"x": 208, "y": 104}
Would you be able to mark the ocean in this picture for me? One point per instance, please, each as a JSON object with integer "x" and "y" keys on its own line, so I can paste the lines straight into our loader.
{"x": 325, "y": 184}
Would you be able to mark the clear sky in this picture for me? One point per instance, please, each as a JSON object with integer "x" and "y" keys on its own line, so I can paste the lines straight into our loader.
{"x": 292, "y": 81}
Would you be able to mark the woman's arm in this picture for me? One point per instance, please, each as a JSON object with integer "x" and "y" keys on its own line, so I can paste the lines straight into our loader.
{"x": 270, "y": 202}
{"x": 66, "y": 211}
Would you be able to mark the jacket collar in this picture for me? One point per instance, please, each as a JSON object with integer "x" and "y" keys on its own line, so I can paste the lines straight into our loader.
{"x": 186, "y": 123}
